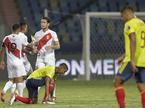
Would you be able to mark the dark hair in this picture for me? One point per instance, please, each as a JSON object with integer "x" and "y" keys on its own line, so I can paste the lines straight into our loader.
{"x": 127, "y": 8}
{"x": 15, "y": 27}
{"x": 46, "y": 18}
{"x": 65, "y": 66}
{"x": 23, "y": 25}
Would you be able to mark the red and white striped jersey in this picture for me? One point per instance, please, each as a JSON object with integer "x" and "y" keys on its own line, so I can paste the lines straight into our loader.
{"x": 13, "y": 45}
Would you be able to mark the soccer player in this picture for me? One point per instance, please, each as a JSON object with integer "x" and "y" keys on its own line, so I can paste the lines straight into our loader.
{"x": 133, "y": 62}
{"x": 33, "y": 82}
{"x": 13, "y": 45}
{"x": 47, "y": 44}
{"x": 24, "y": 29}
{"x": 27, "y": 65}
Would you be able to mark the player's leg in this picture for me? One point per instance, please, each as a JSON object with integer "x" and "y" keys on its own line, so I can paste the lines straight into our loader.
{"x": 10, "y": 76}
{"x": 54, "y": 93}
{"x": 9, "y": 84}
{"x": 32, "y": 87}
{"x": 123, "y": 75}
{"x": 20, "y": 72}
{"x": 31, "y": 92}
{"x": 28, "y": 69}
{"x": 51, "y": 62}
{"x": 51, "y": 90}
{"x": 27, "y": 65}
{"x": 13, "y": 89}
{"x": 140, "y": 79}
{"x": 20, "y": 85}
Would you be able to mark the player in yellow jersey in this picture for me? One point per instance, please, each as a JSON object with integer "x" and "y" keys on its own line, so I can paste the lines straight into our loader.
{"x": 40, "y": 77}
{"x": 133, "y": 61}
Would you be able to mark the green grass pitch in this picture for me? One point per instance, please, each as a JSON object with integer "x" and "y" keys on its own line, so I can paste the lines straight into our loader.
{"x": 83, "y": 94}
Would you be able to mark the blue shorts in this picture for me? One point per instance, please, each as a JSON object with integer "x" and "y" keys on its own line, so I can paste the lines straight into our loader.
{"x": 125, "y": 73}
{"x": 32, "y": 86}
{"x": 140, "y": 75}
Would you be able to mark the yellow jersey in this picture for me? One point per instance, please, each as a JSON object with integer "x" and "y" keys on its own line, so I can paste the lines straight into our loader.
{"x": 47, "y": 71}
{"x": 136, "y": 26}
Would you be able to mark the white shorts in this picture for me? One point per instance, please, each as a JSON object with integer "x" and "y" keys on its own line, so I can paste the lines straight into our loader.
{"x": 27, "y": 64}
{"x": 41, "y": 62}
{"x": 16, "y": 69}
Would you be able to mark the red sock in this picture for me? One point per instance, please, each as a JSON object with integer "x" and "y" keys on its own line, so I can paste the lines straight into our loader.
{"x": 24, "y": 100}
{"x": 143, "y": 99}
{"x": 51, "y": 87}
{"x": 120, "y": 95}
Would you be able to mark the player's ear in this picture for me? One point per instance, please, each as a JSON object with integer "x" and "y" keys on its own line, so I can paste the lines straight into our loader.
{"x": 48, "y": 24}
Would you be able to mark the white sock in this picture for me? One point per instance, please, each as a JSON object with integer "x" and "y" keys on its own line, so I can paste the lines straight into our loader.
{"x": 54, "y": 91}
{"x": 39, "y": 89}
{"x": 13, "y": 88}
{"x": 20, "y": 87}
{"x": 7, "y": 86}
{"x": 24, "y": 86}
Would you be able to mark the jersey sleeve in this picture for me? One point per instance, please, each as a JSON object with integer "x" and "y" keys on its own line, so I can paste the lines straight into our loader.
{"x": 25, "y": 41}
{"x": 36, "y": 36}
{"x": 55, "y": 38}
{"x": 130, "y": 28}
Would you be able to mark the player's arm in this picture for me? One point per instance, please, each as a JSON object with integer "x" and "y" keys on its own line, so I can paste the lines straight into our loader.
{"x": 30, "y": 48}
{"x": 120, "y": 59}
{"x": 132, "y": 37}
{"x": 56, "y": 45}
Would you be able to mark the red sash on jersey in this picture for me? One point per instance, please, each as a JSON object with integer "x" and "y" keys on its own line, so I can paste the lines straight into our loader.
{"x": 43, "y": 41}
{"x": 12, "y": 47}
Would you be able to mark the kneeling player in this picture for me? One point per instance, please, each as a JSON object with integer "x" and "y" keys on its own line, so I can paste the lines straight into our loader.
{"x": 33, "y": 82}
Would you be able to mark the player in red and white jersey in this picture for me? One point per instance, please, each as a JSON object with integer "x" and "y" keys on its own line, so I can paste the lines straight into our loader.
{"x": 24, "y": 29}
{"x": 27, "y": 65}
{"x": 13, "y": 46}
{"x": 47, "y": 43}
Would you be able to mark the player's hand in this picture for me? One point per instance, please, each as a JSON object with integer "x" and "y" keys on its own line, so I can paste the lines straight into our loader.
{"x": 133, "y": 66}
{"x": 35, "y": 51}
{"x": 2, "y": 65}
{"x": 120, "y": 60}
{"x": 49, "y": 47}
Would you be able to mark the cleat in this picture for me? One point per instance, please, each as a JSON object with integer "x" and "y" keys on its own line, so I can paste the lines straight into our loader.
{"x": 2, "y": 97}
{"x": 53, "y": 98}
{"x": 51, "y": 103}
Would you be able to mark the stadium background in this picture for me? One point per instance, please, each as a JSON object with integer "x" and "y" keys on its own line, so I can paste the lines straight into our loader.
{"x": 67, "y": 19}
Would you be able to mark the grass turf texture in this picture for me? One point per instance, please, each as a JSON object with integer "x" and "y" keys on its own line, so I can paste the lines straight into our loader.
{"x": 83, "y": 94}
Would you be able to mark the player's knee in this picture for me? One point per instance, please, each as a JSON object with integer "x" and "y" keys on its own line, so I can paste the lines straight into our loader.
{"x": 141, "y": 87}
{"x": 117, "y": 82}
